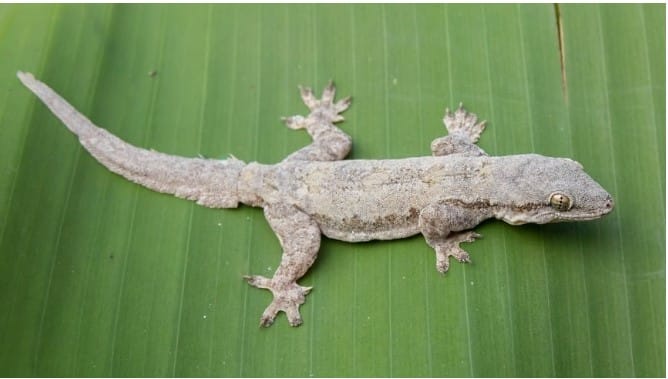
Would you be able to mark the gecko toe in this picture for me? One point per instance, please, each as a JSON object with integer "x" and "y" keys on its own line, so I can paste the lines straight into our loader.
{"x": 462, "y": 257}
{"x": 308, "y": 97}
{"x": 343, "y": 104}
{"x": 267, "y": 321}
{"x": 469, "y": 236}
{"x": 442, "y": 266}
{"x": 328, "y": 93}
{"x": 258, "y": 281}
{"x": 294, "y": 122}
{"x": 294, "y": 318}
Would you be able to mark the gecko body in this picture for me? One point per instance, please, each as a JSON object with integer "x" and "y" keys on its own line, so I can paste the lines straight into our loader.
{"x": 315, "y": 192}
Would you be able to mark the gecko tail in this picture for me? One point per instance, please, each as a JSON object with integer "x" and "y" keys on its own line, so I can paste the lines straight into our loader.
{"x": 210, "y": 182}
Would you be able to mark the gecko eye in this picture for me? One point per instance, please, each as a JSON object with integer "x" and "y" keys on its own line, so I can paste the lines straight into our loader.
{"x": 560, "y": 202}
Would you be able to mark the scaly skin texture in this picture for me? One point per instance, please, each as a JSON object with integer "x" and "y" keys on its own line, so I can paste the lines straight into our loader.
{"x": 313, "y": 191}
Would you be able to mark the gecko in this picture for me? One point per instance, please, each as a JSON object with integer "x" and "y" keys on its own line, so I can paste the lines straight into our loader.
{"x": 315, "y": 192}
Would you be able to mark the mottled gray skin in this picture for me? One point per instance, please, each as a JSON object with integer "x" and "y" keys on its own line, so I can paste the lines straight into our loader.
{"x": 314, "y": 192}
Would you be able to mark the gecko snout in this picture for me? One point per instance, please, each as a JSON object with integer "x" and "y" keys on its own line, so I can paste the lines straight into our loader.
{"x": 608, "y": 205}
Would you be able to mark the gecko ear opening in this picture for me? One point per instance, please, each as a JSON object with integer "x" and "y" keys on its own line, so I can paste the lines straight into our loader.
{"x": 560, "y": 201}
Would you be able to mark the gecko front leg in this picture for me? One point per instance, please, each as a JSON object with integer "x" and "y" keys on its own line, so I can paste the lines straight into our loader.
{"x": 444, "y": 227}
{"x": 299, "y": 237}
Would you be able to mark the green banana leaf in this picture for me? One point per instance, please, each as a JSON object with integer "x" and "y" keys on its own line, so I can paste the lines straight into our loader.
{"x": 100, "y": 277}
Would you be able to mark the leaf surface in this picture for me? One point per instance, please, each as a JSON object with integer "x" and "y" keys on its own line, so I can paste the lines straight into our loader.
{"x": 99, "y": 277}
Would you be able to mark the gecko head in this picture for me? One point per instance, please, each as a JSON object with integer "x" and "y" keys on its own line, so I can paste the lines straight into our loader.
{"x": 546, "y": 190}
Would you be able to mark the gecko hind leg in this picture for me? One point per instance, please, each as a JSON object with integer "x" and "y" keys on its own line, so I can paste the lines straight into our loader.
{"x": 329, "y": 142}
{"x": 299, "y": 237}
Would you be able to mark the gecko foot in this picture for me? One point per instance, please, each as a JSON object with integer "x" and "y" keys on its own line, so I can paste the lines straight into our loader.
{"x": 322, "y": 110}
{"x": 450, "y": 248}
{"x": 463, "y": 123}
{"x": 287, "y": 298}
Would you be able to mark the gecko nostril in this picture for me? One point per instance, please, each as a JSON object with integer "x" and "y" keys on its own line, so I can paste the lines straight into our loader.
{"x": 609, "y": 203}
